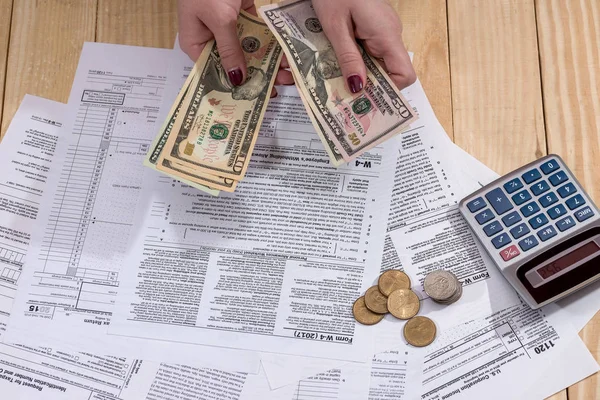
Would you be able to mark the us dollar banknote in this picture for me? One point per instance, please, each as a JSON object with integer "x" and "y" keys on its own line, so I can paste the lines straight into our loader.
{"x": 216, "y": 125}
{"x": 354, "y": 123}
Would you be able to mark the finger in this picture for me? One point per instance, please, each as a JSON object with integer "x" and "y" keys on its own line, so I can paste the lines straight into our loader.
{"x": 396, "y": 62}
{"x": 273, "y": 93}
{"x": 223, "y": 26}
{"x": 284, "y": 77}
{"x": 193, "y": 34}
{"x": 284, "y": 62}
{"x": 341, "y": 36}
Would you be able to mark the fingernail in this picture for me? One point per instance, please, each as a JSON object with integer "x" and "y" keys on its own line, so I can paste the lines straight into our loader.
{"x": 355, "y": 83}
{"x": 235, "y": 77}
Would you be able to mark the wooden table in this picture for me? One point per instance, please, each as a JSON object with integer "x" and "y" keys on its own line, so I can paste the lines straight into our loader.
{"x": 510, "y": 80}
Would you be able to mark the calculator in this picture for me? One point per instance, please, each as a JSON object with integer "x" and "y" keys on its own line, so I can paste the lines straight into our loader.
{"x": 540, "y": 228}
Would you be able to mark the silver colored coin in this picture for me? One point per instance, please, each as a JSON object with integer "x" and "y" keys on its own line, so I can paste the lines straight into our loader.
{"x": 455, "y": 297}
{"x": 441, "y": 285}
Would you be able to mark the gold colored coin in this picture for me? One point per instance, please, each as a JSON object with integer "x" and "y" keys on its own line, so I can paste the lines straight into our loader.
{"x": 363, "y": 315}
{"x": 375, "y": 301}
{"x": 420, "y": 331}
{"x": 393, "y": 280}
{"x": 403, "y": 303}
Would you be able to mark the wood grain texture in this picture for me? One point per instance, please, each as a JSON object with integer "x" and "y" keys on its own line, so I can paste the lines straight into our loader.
{"x": 150, "y": 23}
{"x": 45, "y": 42}
{"x": 569, "y": 38}
{"x": 496, "y": 90}
{"x": 5, "y": 17}
{"x": 426, "y": 35}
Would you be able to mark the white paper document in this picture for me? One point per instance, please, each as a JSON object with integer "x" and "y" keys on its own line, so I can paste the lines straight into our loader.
{"x": 73, "y": 271}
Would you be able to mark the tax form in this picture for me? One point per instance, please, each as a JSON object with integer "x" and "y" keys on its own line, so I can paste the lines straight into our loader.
{"x": 73, "y": 268}
{"x": 271, "y": 267}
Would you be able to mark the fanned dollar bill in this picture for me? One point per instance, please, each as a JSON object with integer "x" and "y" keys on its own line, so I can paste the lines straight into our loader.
{"x": 211, "y": 130}
{"x": 354, "y": 123}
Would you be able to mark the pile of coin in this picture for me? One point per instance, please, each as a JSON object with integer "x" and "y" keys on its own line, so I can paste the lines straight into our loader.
{"x": 393, "y": 294}
{"x": 443, "y": 287}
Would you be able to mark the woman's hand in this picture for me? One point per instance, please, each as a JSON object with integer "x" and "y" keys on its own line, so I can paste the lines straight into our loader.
{"x": 376, "y": 23}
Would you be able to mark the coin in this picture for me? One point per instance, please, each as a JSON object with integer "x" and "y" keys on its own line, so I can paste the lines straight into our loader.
{"x": 403, "y": 303}
{"x": 375, "y": 301}
{"x": 440, "y": 285}
{"x": 393, "y": 280}
{"x": 363, "y": 315}
{"x": 419, "y": 331}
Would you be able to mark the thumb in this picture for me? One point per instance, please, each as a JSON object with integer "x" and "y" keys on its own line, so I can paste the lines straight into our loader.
{"x": 228, "y": 44}
{"x": 348, "y": 55}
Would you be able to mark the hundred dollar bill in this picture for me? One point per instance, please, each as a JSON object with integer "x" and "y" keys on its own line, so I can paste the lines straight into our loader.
{"x": 217, "y": 126}
{"x": 353, "y": 122}
{"x": 160, "y": 140}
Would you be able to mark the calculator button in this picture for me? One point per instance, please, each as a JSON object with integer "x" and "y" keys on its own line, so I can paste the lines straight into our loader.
{"x": 546, "y": 233}
{"x": 549, "y": 166}
{"x": 565, "y": 223}
{"x": 501, "y": 240}
{"x": 575, "y": 202}
{"x": 567, "y": 190}
{"x": 511, "y": 219}
{"x": 530, "y": 209}
{"x": 528, "y": 243}
{"x": 519, "y": 231}
{"x": 521, "y": 197}
{"x": 548, "y": 199}
{"x": 558, "y": 178}
{"x": 513, "y": 185}
{"x": 540, "y": 188}
{"x": 557, "y": 211}
{"x": 510, "y": 252}
{"x": 484, "y": 216}
{"x": 476, "y": 205}
{"x": 538, "y": 220}
{"x": 584, "y": 214}
{"x": 499, "y": 201}
{"x": 531, "y": 176}
{"x": 492, "y": 228}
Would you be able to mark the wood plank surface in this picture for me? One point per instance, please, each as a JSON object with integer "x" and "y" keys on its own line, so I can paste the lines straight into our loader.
{"x": 569, "y": 38}
{"x": 45, "y": 42}
{"x": 5, "y": 17}
{"x": 496, "y": 90}
{"x": 137, "y": 22}
{"x": 426, "y": 35}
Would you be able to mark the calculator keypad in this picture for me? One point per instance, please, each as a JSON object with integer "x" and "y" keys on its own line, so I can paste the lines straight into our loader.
{"x": 548, "y": 207}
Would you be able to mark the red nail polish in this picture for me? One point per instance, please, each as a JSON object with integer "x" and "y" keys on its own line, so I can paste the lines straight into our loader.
{"x": 235, "y": 77}
{"x": 355, "y": 83}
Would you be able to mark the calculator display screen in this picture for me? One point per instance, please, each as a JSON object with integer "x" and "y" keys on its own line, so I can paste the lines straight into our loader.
{"x": 567, "y": 260}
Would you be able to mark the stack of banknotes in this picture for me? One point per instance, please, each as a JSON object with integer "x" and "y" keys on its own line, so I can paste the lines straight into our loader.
{"x": 209, "y": 135}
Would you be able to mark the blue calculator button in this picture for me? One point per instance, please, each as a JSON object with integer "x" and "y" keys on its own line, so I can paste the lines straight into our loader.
{"x": 484, "y": 216}
{"x": 549, "y": 166}
{"x": 511, "y": 219}
{"x": 528, "y": 243}
{"x": 513, "y": 185}
{"x": 521, "y": 197}
{"x": 548, "y": 199}
{"x": 476, "y": 204}
{"x": 565, "y": 223}
{"x": 540, "y": 188}
{"x": 546, "y": 233}
{"x": 531, "y": 176}
{"x": 558, "y": 178}
{"x": 501, "y": 240}
{"x": 492, "y": 228}
{"x": 538, "y": 220}
{"x": 519, "y": 231}
{"x": 567, "y": 190}
{"x": 530, "y": 209}
{"x": 557, "y": 211}
{"x": 499, "y": 201}
{"x": 575, "y": 202}
{"x": 584, "y": 214}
